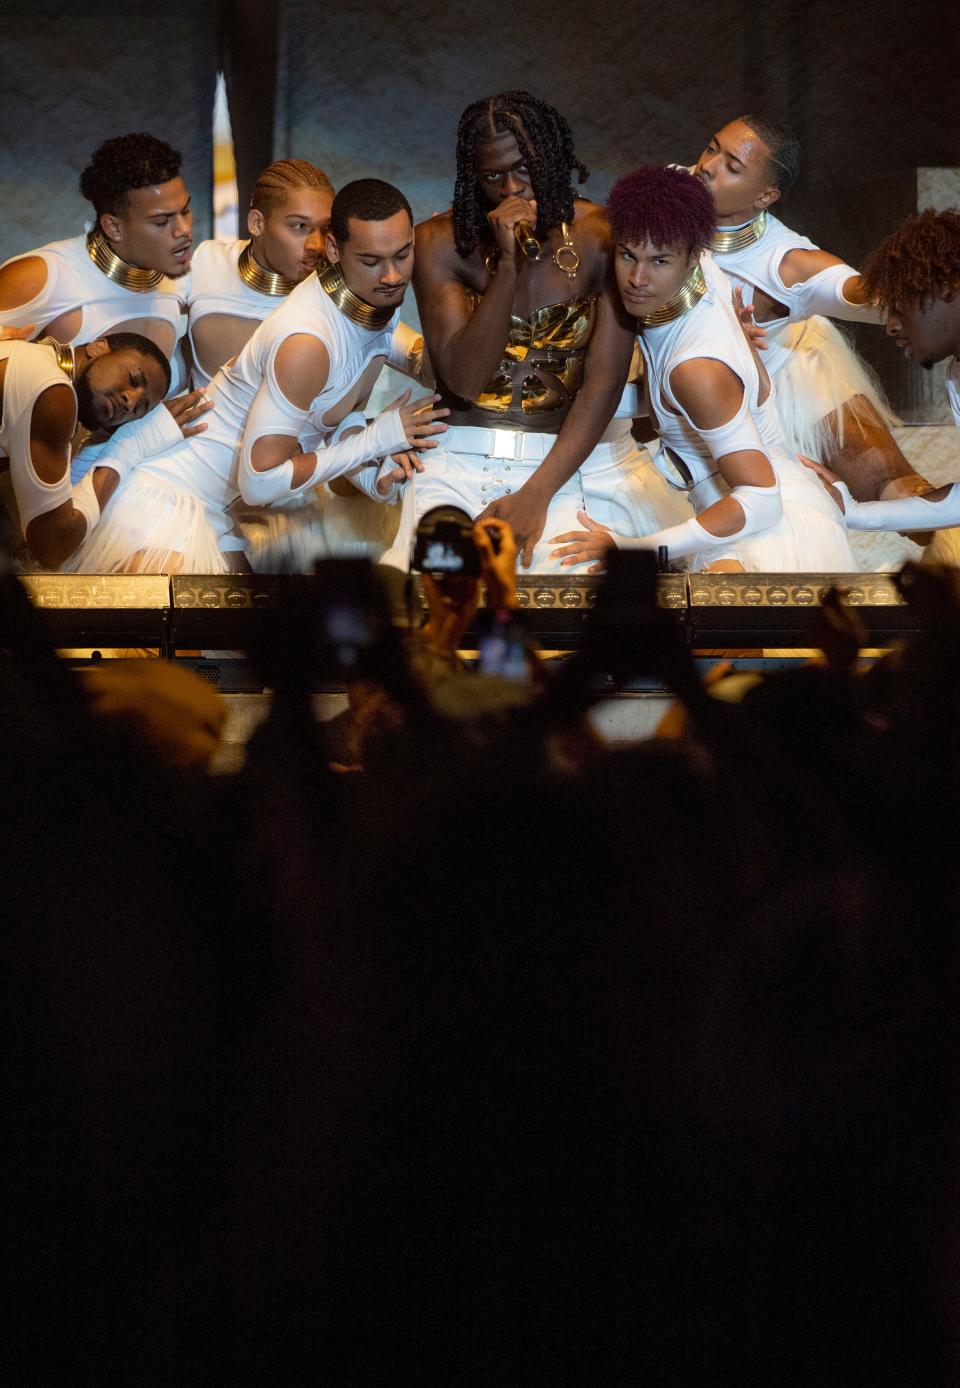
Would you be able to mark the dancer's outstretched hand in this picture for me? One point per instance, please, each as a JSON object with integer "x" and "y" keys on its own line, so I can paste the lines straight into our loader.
{"x": 187, "y": 409}
{"x": 579, "y": 546}
{"x": 420, "y": 419}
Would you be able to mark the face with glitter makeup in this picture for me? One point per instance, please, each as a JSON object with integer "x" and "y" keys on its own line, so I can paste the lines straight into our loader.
{"x": 736, "y": 167}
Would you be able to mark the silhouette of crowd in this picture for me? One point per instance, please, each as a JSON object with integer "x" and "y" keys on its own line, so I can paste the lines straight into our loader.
{"x": 451, "y": 1046}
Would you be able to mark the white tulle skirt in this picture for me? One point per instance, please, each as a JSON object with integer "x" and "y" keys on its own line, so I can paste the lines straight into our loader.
{"x": 151, "y": 525}
{"x": 809, "y": 537}
{"x": 820, "y": 373}
{"x": 291, "y": 539}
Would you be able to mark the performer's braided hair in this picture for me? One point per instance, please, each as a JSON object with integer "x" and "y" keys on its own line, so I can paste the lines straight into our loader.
{"x": 278, "y": 180}
{"x": 546, "y": 144}
{"x": 918, "y": 261}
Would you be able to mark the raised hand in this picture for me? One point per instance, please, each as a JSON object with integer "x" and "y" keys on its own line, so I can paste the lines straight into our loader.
{"x": 23, "y": 334}
{"x": 526, "y": 513}
{"x": 420, "y": 419}
{"x": 498, "y": 554}
{"x": 755, "y": 333}
{"x": 187, "y": 409}
{"x": 504, "y": 217}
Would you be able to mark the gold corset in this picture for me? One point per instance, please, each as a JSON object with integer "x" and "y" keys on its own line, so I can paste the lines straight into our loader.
{"x": 542, "y": 366}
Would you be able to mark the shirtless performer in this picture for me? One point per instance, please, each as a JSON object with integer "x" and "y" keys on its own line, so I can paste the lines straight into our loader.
{"x": 531, "y": 347}
{"x": 757, "y": 508}
{"x": 284, "y": 415}
{"x": 122, "y": 276}
{"x": 45, "y": 388}
{"x": 830, "y": 408}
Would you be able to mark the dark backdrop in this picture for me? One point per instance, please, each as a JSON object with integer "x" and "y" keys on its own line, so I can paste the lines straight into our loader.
{"x": 375, "y": 88}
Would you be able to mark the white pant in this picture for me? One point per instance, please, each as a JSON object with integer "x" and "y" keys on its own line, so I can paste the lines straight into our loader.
{"x": 616, "y": 485}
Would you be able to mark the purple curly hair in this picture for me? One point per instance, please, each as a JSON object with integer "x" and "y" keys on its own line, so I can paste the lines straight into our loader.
{"x": 667, "y": 207}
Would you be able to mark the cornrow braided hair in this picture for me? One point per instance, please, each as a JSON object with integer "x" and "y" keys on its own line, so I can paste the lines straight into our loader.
{"x": 919, "y": 261}
{"x": 278, "y": 179}
{"x": 546, "y": 144}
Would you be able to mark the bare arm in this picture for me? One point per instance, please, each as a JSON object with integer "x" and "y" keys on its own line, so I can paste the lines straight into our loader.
{"x": 829, "y": 285}
{"x": 605, "y": 370}
{"x": 53, "y": 535}
{"x": 20, "y": 283}
{"x": 302, "y": 368}
{"x": 466, "y": 343}
{"x": 710, "y": 394}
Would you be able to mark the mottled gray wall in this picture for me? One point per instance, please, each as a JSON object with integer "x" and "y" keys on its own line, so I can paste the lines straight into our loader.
{"x": 368, "y": 87}
{"x": 73, "y": 75}
{"x": 870, "y": 87}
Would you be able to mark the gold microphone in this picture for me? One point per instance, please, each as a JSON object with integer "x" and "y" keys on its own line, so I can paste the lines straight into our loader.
{"x": 526, "y": 240}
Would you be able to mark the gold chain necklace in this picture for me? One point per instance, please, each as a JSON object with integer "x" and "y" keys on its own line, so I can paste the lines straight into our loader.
{"x": 263, "y": 281}
{"x": 689, "y": 294}
{"x": 65, "y": 354}
{"x": 350, "y": 304}
{"x": 725, "y": 241}
{"x": 565, "y": 256}
{"x": 129, "y": 276}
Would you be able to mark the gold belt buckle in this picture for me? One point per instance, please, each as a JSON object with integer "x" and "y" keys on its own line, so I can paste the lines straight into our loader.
{"x": 508, "y": 443}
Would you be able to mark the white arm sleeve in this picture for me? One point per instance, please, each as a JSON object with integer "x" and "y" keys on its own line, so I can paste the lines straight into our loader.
{"x": 141, "y": 438}
{"x": 272, "y": 414}
{"x": 364, "y": 478}
{"x": 901, "y": 512}
{"x": 823, "y": 293}
{"x": 85, "y": 501}
{"x": 354, "y": 420}
{"x": 761, "y": 506}
{"x": 406, "y": 351}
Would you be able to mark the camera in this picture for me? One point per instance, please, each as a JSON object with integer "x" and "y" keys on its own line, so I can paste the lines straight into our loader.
{"x": 444, "y": 545}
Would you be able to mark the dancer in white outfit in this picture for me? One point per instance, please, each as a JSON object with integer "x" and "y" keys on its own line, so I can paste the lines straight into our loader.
{"x": 234, "y": 285}
{"x": 758, "y": 509}
{"x": 530, "y": 347}
{"x": 122, "y": 276}
{"x": 915, "y": 275}
{"x": 284, "y": 416}
{"x": 44, "y": 388}
{"x": 830, "y": 404}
